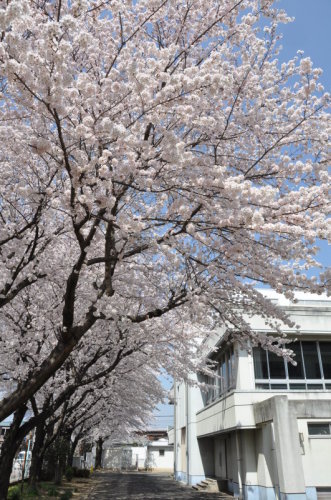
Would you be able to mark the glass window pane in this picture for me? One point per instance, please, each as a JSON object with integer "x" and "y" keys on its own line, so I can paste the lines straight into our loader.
{"x": 278, "y": 387}
{"x": 232, "y": 365}
{"x": 325, "y": 348}
{"x": 218, "y": 382}
{"x": 315, "y": 387}
{"x": 322, "y": 429}
{"x": 276, "y": 366}
{"x": 310, "y": 357}
{"x": 260, "y": 363}
{"x": 296, "y": 387}
{"x": 328, "y": 386}
{"x": 296, "y": 372}
{"x": 224, "y": 380}
{"x": 262, "y": 386}
{"x": 228, "y": 370}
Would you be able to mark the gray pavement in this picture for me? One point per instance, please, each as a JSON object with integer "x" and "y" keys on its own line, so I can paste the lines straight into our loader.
{"x": 143, "y": 486}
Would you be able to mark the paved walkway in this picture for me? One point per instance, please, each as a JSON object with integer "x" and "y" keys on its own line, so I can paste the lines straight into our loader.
{"x": 143, "y": 486}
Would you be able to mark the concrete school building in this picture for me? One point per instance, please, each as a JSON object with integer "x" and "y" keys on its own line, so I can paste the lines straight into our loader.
{"x": 263, "y": 429}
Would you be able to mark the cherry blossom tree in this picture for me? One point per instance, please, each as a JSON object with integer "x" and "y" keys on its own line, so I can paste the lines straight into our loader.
{"x": 116, "y": 407}
{"x": 112, "y": 377}
{"x": 157, "y": 163}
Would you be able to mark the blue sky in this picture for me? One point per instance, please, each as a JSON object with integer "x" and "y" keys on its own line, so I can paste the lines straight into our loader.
{"x": 310, "y": 32}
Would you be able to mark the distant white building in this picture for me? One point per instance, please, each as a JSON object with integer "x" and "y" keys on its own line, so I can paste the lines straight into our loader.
{"x": 155, "y": 454}
{"x": 264, "y": 429}
{"x": 160, "y": 455}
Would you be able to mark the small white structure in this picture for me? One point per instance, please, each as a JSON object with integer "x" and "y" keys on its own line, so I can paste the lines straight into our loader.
{"x": 155, "y": 455}
{"x": 263, "y": 430}
{"x": 160, "y": 455}
{"x": 123, "y": 457}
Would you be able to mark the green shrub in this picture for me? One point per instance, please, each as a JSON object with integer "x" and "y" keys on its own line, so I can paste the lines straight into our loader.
{"x": 14, "y": 493}
{"x": 66, "y": 495}
{"x": 81, "y": 472}
{"x": 30, "y": 492}
{"x": 69, "y": 473}
{"x": 52, "y": 491}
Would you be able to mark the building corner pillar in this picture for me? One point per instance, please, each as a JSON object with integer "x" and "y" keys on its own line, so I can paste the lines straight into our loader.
{"x": 288, "y": 454}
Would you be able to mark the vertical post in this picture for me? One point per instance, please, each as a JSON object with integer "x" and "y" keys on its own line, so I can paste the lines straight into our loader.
{"x": 239, "y": 462}
{"x": 288, "y": 453}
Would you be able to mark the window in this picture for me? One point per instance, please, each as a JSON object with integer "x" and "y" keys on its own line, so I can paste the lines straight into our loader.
{"x": 312, "y": 372}
{"x": 276, "y": 366}
{"x": 161, "y": 453}
{"x": 225, "y": 376}
{"x": 319, "y": 429}
{"x": 260, "y": 363}
{"x": 325, "y": 348}
{"x": 296, "y": 372}
{"x": 226, "y": 370}
{"x": 212, "y": 387}
{"x": 311, "y": 361}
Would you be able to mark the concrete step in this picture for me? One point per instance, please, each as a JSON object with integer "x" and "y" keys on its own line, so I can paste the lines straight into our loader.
{"x": 206, "y": 485}
{"x": 211, "y": 485}
{"x": 202, "y": 485}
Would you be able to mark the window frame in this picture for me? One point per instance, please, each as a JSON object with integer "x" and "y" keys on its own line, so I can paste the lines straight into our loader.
{"x": 319, "y": 436}
{"x": 225, "y": 364}
{"x": 284, "y": 384}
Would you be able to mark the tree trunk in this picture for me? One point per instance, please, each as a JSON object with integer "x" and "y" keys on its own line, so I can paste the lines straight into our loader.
{"x": 58, "y": 472}
{"x": 47, "y": 454}
{"x": 9, "y": 448}
{"x": 37, "y": 457}
{"x": 62, "y": 450}
{"x": 98, "y": 453}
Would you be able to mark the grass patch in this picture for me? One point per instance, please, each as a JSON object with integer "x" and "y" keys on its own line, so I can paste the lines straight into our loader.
{"x": 48, "y": 490}
{"x": 14, "y": 493}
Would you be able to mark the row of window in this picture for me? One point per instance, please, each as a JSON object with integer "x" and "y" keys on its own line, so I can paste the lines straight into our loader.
{"x": 225, "y": 380}
{"x": 272, "y": 372}
{"x": 312, "y": 372}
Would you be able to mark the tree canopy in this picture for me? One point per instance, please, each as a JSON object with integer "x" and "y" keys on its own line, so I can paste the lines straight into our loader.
{"x": 157, "y": 163}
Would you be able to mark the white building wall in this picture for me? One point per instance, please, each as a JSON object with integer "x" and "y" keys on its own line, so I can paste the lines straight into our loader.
{"x": 159, "y": 462}
{"x": 316, "y": 456}
{"x": 266, "y": 465}
{"x": 248, "y": 455}
{"x": 189, "y": 466}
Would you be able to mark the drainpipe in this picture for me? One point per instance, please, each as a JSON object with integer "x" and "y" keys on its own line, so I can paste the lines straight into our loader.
{"x": 187, "y": 435}
{"x": 175, "y": 430}
{"x": 239, "y": 465}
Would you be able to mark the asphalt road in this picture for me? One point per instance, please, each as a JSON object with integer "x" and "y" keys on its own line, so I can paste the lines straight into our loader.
{"x": 143, "y": 486}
